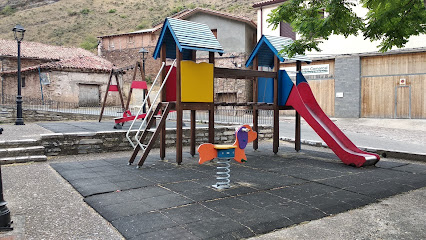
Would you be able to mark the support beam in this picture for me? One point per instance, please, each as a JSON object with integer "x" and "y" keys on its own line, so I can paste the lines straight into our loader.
{"x": 276, "y": 134}
{"x": 211, "y": 109}
{"x": 297, "y": 143}
{"x": 163, "y": 98}
{"x": 193, "y": 129}
{"x": 193, "y": 118}
{"x": 255, "y": 108}
{"x": 179, "y": 110}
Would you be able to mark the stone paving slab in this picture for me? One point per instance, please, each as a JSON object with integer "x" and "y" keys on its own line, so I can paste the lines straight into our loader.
{"x": 163, "y": 200}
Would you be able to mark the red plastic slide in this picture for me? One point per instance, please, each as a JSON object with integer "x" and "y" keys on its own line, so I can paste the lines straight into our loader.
{"x": 303, "y": 101}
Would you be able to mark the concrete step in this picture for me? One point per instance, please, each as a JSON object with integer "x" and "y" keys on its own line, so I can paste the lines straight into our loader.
{"x": 23, "y": 159}
{"x": 21, "y": 151}
{"x": 18, "y": 143}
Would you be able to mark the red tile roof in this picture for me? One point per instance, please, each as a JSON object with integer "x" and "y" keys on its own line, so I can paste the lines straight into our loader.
{"x": 40, "y": 51}
{"x": 267, "y": 2}
{"x": 84, "y": 64}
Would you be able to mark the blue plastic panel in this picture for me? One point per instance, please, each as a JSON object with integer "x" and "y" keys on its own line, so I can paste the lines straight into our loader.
{"x": 265, "y": 88}
{"x": 284, "y": 87}
{"x": 226, "y": 153}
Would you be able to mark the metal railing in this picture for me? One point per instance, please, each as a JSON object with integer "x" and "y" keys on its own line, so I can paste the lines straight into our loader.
{"x": 61, "y": 107}
{"x": 223, "y": 115}
{"x": 229, "y": 116}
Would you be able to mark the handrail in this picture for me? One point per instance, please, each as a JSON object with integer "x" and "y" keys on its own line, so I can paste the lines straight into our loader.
{"x": 143, "y": 104}
{"x": 155, "y": 99}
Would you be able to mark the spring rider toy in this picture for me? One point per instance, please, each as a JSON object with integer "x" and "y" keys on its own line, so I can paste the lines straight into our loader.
{"x": 244, "y": 134}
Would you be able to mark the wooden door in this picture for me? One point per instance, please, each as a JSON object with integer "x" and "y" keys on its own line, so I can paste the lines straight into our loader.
{"x": 403, "y": 102}
{"x": 88, "y": 95}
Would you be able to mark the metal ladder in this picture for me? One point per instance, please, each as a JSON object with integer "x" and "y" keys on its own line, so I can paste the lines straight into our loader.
{"x": 150, "y": 115}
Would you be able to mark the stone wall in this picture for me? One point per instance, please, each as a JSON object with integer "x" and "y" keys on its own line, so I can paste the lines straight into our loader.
{"x": 8, "y": 115}
{"x": 110, "y": 141}
{"x": 64, "y": 86}
{"x": 348, "y": 83}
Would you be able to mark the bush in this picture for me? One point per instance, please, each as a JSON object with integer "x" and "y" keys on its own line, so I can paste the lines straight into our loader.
{"x": 143, "y": 25}
{"x": 85, "y": 11}
{"x": 112, "y": 11}
{"x": 89, "y": 43}
{"x": 8, "y": 10}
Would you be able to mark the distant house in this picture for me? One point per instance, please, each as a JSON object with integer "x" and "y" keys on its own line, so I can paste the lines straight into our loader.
{"x": 56, "y": 73}
{"x": 236, "y": 34}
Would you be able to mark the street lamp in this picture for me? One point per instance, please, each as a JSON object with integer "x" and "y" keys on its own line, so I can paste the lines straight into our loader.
{"x": 18, "y": 32}
{"x": 143, "y": 51}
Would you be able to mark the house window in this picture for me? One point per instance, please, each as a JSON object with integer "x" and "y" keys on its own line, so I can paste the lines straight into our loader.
{"x": 214, "y": 31}
{"x": 111, "y": 45}
{"x": 23, "y": 81}
{"x": 131, "y": 39}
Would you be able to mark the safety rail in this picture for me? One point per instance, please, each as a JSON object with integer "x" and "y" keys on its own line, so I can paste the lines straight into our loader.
{"x": 150, "y": 110}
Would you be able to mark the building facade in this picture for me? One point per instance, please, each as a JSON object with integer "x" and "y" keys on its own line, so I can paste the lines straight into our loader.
{"x": 237, "y": 35}
{"x": 53, "y": 73}
{"x": 353, "y": 79}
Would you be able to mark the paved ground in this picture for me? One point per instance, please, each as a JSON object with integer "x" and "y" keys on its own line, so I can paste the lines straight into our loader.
{"x": 44, "y": 206}
{"x": 403, "y": 135}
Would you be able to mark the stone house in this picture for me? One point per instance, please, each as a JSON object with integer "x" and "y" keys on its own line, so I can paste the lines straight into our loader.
{"x": 55, "y": 73}
{"x": 237, "y": 35}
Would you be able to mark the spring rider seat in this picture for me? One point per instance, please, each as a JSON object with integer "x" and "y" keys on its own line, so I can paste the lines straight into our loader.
{"x": 224, "y": 153}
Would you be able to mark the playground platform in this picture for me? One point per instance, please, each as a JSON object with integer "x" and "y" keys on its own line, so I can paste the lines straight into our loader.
{"x": 166, "y": 201}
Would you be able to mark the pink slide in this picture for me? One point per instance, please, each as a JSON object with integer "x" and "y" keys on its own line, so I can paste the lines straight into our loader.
{"x": 303, "y": 101}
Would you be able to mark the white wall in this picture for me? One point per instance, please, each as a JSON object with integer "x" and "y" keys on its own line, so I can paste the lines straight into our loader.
{"x": 266, "y": 29}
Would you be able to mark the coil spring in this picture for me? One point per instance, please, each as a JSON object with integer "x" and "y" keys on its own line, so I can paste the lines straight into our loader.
{"x": 222, "y": 174}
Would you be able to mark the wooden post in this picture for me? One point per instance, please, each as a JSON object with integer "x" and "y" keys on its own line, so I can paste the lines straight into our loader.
{"x": 119, "y": 91}
{"x": 193, "y": 117}
{"x": 193, "y": 129}
{"x": 297, "y": 144}
{"x": 179, "y": 110}
{"x": 276, "y": 130}
{"x": 131, "y": 89}
{"x": 106, "y": 95}
{"x": 211, "y": 108}
{"x": 163, "y": 99}
{"x": 255, "y": 97}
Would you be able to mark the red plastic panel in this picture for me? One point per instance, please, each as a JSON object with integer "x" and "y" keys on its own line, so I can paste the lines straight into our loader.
{"x": 171, "y": 85}
{"x": 113, "y": 88}
{"x": 303, "y": 101}
{"x": 139, "y": 85}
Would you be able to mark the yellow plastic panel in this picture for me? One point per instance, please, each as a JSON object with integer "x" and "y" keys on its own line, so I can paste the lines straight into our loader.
{"x": 197, "y": 81}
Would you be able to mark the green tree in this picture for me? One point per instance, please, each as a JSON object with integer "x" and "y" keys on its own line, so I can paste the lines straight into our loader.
{"x": 391, "y": 22}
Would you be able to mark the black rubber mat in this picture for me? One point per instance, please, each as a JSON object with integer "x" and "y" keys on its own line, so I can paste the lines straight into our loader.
{"x": 165, "y": 201}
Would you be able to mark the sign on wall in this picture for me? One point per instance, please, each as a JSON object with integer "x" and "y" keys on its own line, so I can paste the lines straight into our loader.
{"x": 320, "y": 69}
{"x": 44, "y": 78}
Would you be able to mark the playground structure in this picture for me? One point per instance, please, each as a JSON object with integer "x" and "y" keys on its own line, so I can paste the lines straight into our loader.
{"x": 127, "y": 115}
{"x": 190, "y": 86}
{"x": 243, "y": 135}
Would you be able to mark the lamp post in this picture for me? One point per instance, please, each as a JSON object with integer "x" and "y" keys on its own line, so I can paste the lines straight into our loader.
{"x": 19, "y": 31}
{"x": 143, "y": 51}
{"x": 5, "y": 220}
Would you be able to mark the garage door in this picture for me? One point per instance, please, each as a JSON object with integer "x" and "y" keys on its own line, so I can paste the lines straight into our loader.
{"x": 88, "y": 95}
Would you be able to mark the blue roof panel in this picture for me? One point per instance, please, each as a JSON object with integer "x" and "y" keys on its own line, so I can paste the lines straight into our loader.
{"x": 186, "y": 35}
{"x": 267, "y": 47}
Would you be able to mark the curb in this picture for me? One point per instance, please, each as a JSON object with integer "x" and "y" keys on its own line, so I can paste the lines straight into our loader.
{"x": 384, "y": 153}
